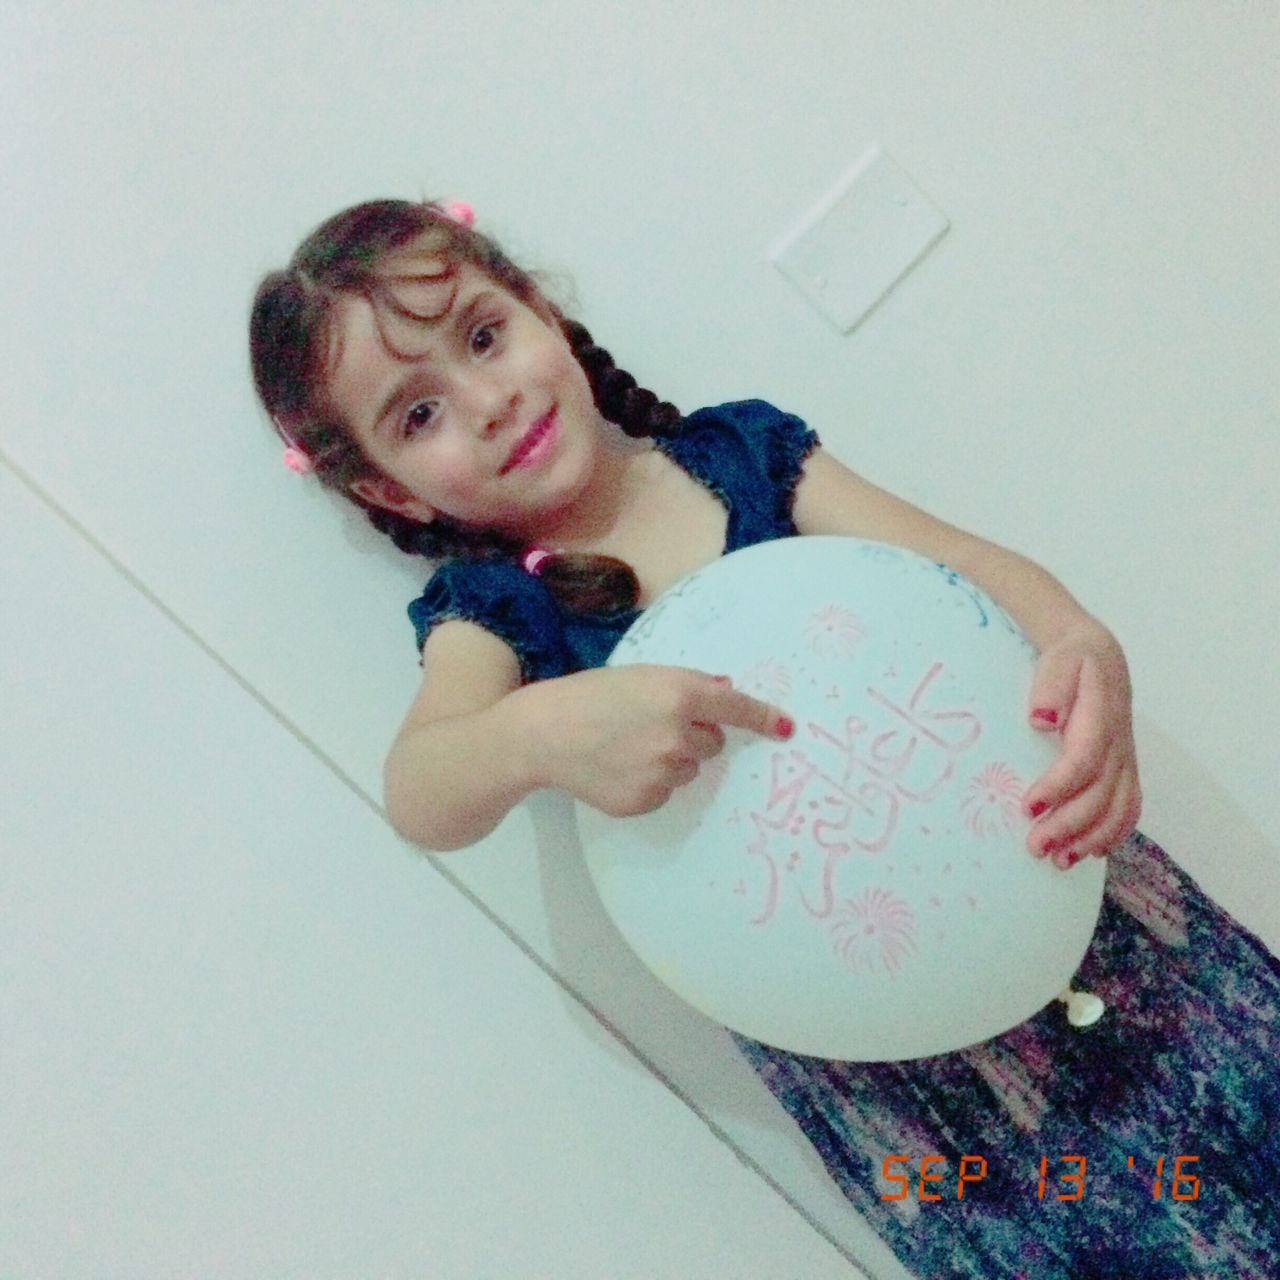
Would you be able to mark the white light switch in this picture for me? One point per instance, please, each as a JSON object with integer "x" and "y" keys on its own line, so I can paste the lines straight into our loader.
{"x": 858, "y": 241}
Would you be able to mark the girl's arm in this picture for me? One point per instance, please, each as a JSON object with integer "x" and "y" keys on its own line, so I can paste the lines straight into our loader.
{"x": 1090, "y": 799}
{"x": 831, "y": 499}
{"x": 457, "y": 767}
{"x": 475, "y": 742}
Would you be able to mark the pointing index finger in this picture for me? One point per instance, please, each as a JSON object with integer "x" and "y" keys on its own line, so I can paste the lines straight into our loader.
{"x": 745, "y": 712}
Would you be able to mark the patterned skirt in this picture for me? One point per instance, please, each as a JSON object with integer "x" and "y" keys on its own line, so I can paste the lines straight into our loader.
{"x": 1081, "y": 1129}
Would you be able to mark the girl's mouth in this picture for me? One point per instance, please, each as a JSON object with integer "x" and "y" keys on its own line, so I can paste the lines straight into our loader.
{"x": 536, "y": 444}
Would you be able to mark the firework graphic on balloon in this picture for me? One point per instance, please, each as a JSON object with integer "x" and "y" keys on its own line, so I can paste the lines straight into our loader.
{"x": 874, "y": 931}
{"x": 834, "y": 630}
{"x": 992, "y": 804}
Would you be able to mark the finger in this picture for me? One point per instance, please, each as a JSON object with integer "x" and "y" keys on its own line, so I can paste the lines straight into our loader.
{"x": 1054, "y": 691}
{"x": 1077, "y": 823}
{"x": 1119, "y": 825}
{"x": 1072, "y": 803}
{"x": 725, "y": 705}
{"x": 1073, "y": 773}
{"x": 683, "y": 772}
{"x": 705, "y": 740}
{"x": 1076, "y": 819}
{"x": 1085, "y": 749}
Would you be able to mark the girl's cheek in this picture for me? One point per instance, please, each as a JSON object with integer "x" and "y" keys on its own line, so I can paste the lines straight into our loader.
{"x": 567, "y": 366}
{"x": 450, "y": 477}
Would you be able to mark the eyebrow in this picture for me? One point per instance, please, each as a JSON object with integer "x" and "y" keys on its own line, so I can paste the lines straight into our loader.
{"x": 382, "y": 424}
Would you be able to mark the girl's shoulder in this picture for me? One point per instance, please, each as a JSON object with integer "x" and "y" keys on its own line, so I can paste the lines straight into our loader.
{"x": 497, "y": 594}
{"x": 745, "y": 417}
{"x": 765, "y": 433}
{"x": 751, "y": 453}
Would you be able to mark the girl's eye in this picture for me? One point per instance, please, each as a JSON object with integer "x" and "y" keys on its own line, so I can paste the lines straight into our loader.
{"x": 417, "y": 416}
{"x": 484, "y": 336}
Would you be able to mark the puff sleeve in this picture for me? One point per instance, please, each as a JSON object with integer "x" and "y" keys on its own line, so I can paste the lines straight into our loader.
{"x": 501, "y": 597}
{"x": 752, "y": 455}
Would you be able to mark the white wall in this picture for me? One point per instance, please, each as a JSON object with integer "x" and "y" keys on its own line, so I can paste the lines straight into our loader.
{"x": 247, "y": 1030}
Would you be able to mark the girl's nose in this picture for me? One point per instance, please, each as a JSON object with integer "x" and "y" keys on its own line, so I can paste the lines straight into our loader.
{"x": 492, "y": 401}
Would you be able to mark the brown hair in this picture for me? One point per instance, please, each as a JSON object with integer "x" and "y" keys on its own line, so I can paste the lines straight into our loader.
{"x": 288, "y": 343}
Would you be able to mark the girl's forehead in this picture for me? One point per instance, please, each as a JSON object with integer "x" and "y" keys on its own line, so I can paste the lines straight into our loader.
{"x": 422, "y": 283}
{"x": 357, "y": 360}
{"x": 414, "y": 298}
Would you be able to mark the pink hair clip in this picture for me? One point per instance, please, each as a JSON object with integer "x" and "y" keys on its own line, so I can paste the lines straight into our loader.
{"x": 458, "y": 211}
{"x": 295, "y": 458}
{"x": 297, "y": 461}
{"x": 532, "y": 559}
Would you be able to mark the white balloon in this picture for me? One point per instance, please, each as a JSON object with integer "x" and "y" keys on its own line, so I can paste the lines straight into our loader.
{"x": 862, "y": 891}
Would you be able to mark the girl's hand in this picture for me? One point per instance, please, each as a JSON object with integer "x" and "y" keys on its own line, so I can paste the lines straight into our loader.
{"x": 622, "y": 739}
{"x": 1089, "y": 800}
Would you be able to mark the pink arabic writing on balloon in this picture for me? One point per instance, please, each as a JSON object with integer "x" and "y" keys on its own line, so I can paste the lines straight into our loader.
{"x": 850, "y": 785}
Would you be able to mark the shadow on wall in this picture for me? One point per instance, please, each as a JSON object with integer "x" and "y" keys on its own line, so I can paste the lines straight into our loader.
{"x": 1191, "y": 815}
{"x": 587, "y": 947}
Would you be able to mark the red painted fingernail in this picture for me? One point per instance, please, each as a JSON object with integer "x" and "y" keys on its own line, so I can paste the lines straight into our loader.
{"x": 1047, "y": 714}
{"x": 785, "y": 727}
{"x": 1038, "y": 808}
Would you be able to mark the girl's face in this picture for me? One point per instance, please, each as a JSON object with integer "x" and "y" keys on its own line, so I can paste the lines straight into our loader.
{"x": 442, "y": 418}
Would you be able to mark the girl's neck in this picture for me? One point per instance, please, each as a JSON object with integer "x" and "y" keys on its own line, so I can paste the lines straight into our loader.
{"x": 611, "y": 500}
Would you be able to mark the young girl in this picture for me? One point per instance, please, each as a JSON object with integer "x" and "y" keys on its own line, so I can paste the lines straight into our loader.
{"x": 421, "y": 374}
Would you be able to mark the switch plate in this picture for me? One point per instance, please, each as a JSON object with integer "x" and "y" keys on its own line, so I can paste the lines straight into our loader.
{"x": 859, "y": 240}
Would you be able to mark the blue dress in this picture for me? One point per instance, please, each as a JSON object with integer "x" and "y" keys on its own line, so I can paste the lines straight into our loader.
{"x": 1087, "y": 1134}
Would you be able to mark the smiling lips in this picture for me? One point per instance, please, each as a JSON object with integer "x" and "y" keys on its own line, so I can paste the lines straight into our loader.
{"x": 530, "y": 440}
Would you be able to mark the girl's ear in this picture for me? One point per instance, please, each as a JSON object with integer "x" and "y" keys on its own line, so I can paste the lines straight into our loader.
{"x": 384, "y": 492}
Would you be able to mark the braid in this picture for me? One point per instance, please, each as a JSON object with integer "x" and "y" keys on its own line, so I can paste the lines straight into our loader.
{"x": 605, "y": 584}
{"x": 441, "y": 539}
{"x": 634, "y": 408}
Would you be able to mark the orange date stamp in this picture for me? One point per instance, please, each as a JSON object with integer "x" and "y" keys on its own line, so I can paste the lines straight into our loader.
{"x": 1051, "y": 1183}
